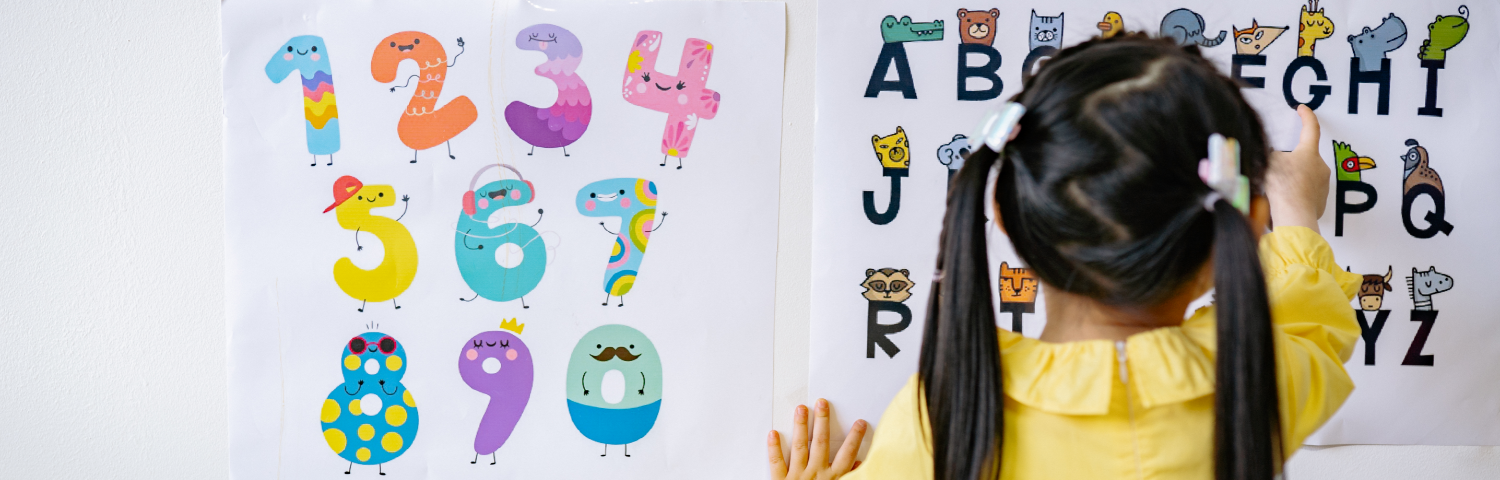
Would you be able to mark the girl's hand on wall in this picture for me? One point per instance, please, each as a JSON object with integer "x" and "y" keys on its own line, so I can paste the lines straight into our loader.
{"x": 810, "y": 462}
{"x": 1297, "y": 181}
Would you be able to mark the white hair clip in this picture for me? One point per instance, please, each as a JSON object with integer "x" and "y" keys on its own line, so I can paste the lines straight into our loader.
{"x": 998, "y": 127}
{"x": 1221, "y": 172}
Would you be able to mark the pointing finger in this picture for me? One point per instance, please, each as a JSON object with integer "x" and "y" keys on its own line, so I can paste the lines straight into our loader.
{"x": 1311, "y": 130}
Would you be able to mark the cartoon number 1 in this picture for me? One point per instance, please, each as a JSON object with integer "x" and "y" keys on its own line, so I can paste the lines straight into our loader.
{"x": 682, "y": 97}
{"x": 309, "y": 56}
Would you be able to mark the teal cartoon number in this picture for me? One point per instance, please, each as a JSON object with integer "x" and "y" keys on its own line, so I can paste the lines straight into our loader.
{"x": 614, "y": 386}
{"x": 506, "y": 262}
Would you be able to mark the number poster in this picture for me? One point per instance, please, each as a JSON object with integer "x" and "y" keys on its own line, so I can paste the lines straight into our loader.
{"x": 500, "y": 240}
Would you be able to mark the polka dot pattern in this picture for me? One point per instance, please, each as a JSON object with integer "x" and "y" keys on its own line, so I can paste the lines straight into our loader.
{"x": 370, "y": 418}
{"x": 366, "y": 432}
{"x": 330, "y": 411}
{"x": 336, "y": 439}
{"x": 391, "y": 442}
{"x": 395, "y": 416}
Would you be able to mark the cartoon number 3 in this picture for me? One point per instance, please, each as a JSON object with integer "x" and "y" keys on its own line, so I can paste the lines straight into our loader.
{"x": 682, "y": 97}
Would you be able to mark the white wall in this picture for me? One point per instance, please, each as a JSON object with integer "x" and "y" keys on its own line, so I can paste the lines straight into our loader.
{"x": 112, "y": 329}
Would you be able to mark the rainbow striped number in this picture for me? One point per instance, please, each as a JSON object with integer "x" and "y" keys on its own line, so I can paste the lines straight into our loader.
{"x": 633, "y": 201}
{"x": 308, "y": 55}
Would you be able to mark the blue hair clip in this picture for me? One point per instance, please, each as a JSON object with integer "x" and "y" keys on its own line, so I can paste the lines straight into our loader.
{"x": 995, "y": 130}
{"x": 1221, "y": 172}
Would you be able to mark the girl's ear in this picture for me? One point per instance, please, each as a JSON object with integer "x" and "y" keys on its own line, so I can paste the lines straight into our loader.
{"x": 1260, "y": 215}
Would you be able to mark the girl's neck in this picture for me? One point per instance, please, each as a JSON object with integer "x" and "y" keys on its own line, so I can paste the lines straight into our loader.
{"x": 1075, "y": 318}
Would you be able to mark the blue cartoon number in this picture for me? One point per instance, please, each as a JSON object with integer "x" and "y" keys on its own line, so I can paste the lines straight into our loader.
{"x": 633, "y": 201}
{"x": 505, "y": 262}
{"x": 614, "y": 386}
{"x": 371, "y": 418}
{"x": 308, "y": 55}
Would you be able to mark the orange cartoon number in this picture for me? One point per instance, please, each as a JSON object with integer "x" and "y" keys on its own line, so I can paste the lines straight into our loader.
{"x": 423, "y": 125}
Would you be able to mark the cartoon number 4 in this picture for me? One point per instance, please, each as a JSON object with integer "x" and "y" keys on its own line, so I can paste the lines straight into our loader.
{"x": 683, "y": 97}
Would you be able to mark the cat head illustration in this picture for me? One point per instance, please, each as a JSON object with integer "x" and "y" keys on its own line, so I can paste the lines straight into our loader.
{"x": 1017, "y": 285}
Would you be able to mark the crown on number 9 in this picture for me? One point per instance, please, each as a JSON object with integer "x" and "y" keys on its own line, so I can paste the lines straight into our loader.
{"x": 512, "y": 325}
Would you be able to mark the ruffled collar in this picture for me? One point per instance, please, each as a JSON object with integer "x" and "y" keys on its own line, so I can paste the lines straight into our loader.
{"x": 1165, "y": 365}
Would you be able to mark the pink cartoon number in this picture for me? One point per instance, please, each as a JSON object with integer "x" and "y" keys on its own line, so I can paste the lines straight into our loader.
{"x": 682, "y": 97}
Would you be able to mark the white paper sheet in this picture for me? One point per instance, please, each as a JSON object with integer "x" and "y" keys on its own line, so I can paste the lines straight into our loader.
{"x": 1452, "y": 401}
{"x": 702, "y": 298}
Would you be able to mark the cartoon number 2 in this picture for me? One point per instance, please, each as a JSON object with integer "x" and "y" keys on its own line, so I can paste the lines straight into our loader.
{"x": 682, "y": 97}
{"x": 633, "y": 201}
{"x": 309, "y": 56}
{"x": 481, "y": 249}
{"x": 423, "y": 125}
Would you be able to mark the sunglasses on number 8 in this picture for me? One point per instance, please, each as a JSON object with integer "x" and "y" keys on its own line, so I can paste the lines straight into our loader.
{"x": 358, "y": 345}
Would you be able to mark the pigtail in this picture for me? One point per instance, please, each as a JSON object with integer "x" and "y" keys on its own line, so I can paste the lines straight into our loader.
{"x": 1247, "y": 440}
{"x": 959, "y": 366}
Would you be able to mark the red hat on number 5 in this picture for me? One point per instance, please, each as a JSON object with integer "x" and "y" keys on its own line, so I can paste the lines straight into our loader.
{"x": 343, "y": 189}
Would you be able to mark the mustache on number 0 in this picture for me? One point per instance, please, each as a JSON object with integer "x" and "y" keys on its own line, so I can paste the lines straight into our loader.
{"x": 610, "y": 353}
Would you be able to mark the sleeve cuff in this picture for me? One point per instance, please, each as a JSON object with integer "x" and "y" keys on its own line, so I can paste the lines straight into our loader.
{"x": 1290, "y": 246}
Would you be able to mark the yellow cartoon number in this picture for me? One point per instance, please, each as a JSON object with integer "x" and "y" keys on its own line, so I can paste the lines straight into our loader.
{"x": 352, "y": 202}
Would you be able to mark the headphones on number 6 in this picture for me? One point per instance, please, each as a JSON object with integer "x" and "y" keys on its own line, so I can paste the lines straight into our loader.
{"x": 471, "y": 205}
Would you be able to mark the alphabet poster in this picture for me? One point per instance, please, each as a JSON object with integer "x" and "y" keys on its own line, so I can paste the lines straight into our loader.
{"x": 1405, "y": 93}
{"x": 500, "y": 239}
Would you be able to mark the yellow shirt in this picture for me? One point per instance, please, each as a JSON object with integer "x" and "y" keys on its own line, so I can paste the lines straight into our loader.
{"x": 1072, "y": 411}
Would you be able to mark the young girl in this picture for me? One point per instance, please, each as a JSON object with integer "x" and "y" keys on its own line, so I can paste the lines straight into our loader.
{"x": 1101, "y": 192}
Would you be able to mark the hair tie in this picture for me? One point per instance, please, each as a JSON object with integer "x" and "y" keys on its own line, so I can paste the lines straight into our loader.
{"x": 1221, "y": 172}
{"x": 998, "y": 127}
{"x": 1210, "y": 200}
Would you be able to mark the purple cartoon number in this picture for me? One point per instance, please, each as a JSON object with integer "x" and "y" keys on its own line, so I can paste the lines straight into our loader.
{"x": 565, "y": 121}
{"x": 498, "y": 364}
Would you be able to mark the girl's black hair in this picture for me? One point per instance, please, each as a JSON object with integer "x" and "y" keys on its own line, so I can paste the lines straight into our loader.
{"x": 1100, "y": 195}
